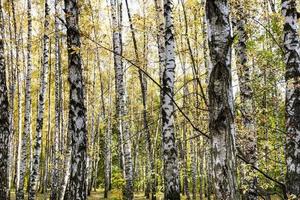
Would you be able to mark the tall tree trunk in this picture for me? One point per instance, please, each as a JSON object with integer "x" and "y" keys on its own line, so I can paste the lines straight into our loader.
{"x": 20, "y": 131}
{"x": 107, "y": 151}
{"x": 292, "y": 61}
{"x": 121, "y": 103}
{"x": 191, "y": 53}
{"x": 27, "y": 120}
{"x": 34, "y": 175}
{"x": 184, "y": 127}
{"x": 77, "y": 111}
{"x": 93, "y": 134}
{"x": 108, "y": 135}
{"x": 11, "y": 92}
{"x": 16, "y": 47}
{"x": 48, "y": 137}
{"x": 209, "y": 173}
{"x": 4, "y": 118}
{"x": 103, "y": 114}
{"x": 160, "y": 38}
{"x": 244, "y": 76}
{"x": 161, "y": 55}
{"x": 143, "y": 84}
{"x": 170, "y": 158}
{"x": 221, "y": 116}
{"x": 57, "y": 132}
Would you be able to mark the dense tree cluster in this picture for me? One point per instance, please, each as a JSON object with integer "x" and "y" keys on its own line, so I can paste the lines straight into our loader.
{"x": 153, "y": 99}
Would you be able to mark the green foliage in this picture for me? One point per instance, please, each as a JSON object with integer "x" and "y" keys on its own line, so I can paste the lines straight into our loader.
{"x": 117, "y": 178}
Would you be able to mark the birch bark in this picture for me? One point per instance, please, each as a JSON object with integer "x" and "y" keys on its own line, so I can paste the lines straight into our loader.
{"x": 221, "y": 116}
{"x": 27, "y": 120}
{"x": 121, "y": 103}
{"x": 170, "y": 155}
{"x": 244, "y": 78}
{"x": 77, "y": 188}
{"x": 292, "y": 61}
{"x": 4, "y": 118}
{"x": 34, "y": 174}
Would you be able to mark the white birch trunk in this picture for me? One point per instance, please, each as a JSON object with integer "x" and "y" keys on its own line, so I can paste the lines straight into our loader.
{"x": 57, "y": 132}
{"x": 292, "y": 61}
{"x": 246, "y": 92}
{"x": 77, "y": 111}
{"x": 121, "y": 103}
{"x": 27, "y": 120}
{"x": 35, "y": 172}
{"x": 170, "y": 155}
{"x": 221, "y": 116}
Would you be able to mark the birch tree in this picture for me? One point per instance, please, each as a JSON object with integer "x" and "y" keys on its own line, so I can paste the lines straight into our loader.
{"x": 121, "y": 107}
{"x": 171, "y": 172}
{"x": 107, "y": 147}
{"x": 160, "y": 37}
{"x": 77, "y": 188}
{"x": 143, "y": 85}
{"x": 12, "y": 63}
{"x": 292, "y": 61}
{"x": 246, "y": 95}
{"x": 34, "y": 174}
{"x": 27, "y": 120}
{"x": 4, "y": 118}
{"x": 58, "y": 99}
{"x": 221, "y": 119}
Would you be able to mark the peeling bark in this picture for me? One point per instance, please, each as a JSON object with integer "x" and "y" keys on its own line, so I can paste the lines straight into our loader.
{"x": 34, "y": 174}
{"x": 292, "y": 61}
{"x": 221, "y": 116}
{"x": 77, "y": 188}
{"x": 244, "y": 75}
{"x": 170, "y": 155}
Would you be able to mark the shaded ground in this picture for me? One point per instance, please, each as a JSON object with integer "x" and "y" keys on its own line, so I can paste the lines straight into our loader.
{"x": 117, "y": 194}
{"x": 113, "y": 195}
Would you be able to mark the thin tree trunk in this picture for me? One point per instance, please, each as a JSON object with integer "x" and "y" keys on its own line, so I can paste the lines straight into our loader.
{"x": 107, "y": 151}
{"x": 11, "y": 92}
{"x": 27, "y": 120}
{"x": 246, "y": 98}
{"x": 34, "y": 176}
{"x": 183, "y": 147}
{"x": 194, "y": 64}
{"x": 108, "y": 134}
{"x": 20, "y": 131}
{"x": 58, "y": 94}
{"x": 143, "y": 84}
{"x": 4, "y": 118}
{"x": 292, "y": 61}
{"x": 121, "y": 103}
{"x": 77, "y": 111}
{"x": 16, "y": 46}
{"x": 209, "y": 173}
{"x": 92, "y": 141}
{"x": 47, "y": 152}
{"x": 171, "y": 171}
{"x": 272, "y": 5}
{"x": 221, "y": 122}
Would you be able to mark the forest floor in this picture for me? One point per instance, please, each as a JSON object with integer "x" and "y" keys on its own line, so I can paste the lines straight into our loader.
{"x": 113, "y": 195}
{"x": 96, "y": 195}
{"x": 117, "y": 194}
